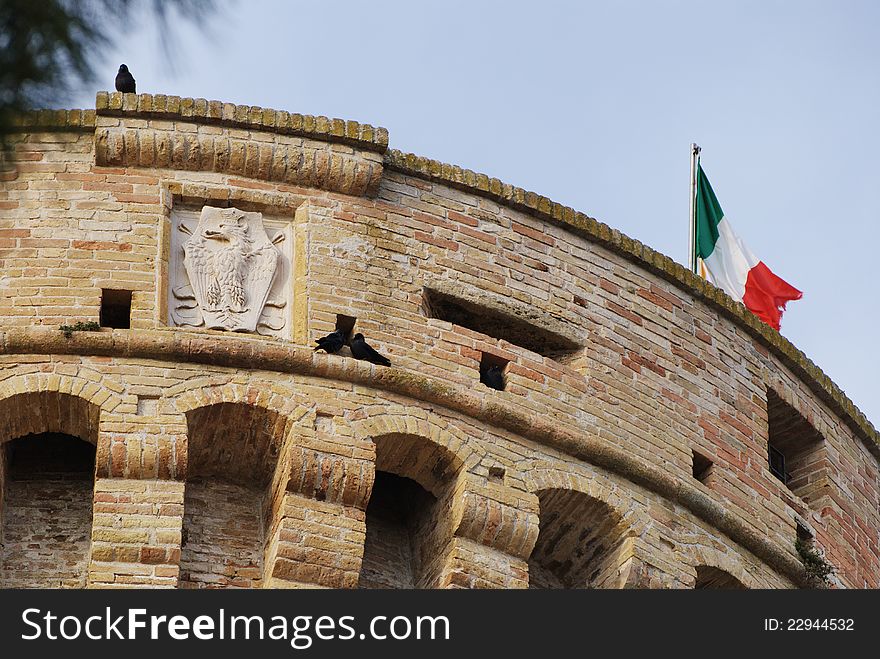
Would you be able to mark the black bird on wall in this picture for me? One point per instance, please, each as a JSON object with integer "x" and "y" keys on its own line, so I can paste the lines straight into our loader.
{"x": 124, "y": 80}
{"x": 331, "y": 343}
{"x": 360, "y": 349}
{"x": 493, "y": 377}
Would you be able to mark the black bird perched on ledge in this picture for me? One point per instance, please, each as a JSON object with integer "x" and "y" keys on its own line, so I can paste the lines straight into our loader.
{"x": 493, "y": 377}
{"x": 331, "y": 343}
{"x": 360, "y": 349}
{"x": 125, "y": 81}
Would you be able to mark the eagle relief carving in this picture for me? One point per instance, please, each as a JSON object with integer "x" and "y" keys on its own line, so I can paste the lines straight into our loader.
{"x": 231, "y": 264}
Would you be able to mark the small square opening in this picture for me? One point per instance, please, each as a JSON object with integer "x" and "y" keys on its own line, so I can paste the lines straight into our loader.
{"x": 115, "y": 308}
{"x": 345, "y": 326}
{"x": 804, "y": 534}
{"x": 496, "y": 474}
{"x": 492, "y": 371}
{"x": 702, "y": 467}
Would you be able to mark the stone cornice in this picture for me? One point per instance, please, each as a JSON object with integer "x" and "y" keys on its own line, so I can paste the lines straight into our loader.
{"x": 653, "y": 261}
{"x": 493, "y": 408}
{"x": 247, "y": 117}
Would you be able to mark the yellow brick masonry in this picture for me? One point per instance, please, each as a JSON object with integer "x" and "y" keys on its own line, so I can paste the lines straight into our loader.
{"x": 666, "y": 365}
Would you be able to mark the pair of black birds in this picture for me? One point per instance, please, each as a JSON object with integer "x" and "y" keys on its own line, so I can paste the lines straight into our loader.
{"x": 360, "y": 349}
{"x": 492, "y": 377}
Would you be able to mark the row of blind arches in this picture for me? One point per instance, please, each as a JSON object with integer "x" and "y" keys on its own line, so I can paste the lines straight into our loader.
{"x": 47, "y": 515}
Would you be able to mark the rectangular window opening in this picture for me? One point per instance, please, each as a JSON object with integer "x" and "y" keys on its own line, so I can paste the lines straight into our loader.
{"x": 498, "y": 325}
{"x": 492, "y": 371}
{"x": 776, "y": 459}
{"x": 702, "y": 467}
{"x": 115, "y": 308}
{"x": 796, "y": 452}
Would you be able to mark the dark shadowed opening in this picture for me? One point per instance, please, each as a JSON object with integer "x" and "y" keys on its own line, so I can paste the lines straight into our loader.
{"x": 796, "y": 452}
{"x": 712, "y": 577}
{"x": 409, "y": 528}
{"x": 497, "y": 325}
{"x": 702, "y": 467}
{"x": 398, "y": 511}
{"x": 497, "y": 379}
{"x": 115, "y": 309}
{"x": 47, "y": 511}
{"x": 345, "y": 326}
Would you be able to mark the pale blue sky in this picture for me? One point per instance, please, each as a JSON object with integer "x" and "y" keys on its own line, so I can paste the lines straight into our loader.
{"x": 594, "y": 104}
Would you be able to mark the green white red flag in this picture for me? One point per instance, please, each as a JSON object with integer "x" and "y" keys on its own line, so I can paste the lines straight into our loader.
{"x": 730, "y": 265}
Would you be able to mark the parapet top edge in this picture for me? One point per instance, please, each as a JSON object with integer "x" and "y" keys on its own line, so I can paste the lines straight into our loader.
{"x": 200, "y": 110}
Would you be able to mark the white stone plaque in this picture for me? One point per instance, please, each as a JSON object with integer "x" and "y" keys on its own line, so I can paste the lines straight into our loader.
{"x": 229, "y": 270}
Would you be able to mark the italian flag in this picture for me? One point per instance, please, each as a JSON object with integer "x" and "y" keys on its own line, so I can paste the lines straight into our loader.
{"x": 731, "y": 266}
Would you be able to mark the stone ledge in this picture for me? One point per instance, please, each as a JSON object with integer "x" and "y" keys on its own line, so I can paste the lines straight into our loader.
{"x": 57, "y": 120}
{"x": 493, "y": 408}
{"x": 653, "y": 261}
{"x": 200, "y": 110}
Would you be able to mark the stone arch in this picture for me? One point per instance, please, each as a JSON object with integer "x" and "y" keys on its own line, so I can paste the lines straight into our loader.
{"x": 409, "y": 520}
{"x": 399, "y": 421}
{"x": 275, "y": 399}
{"x": 50, "y": 402}
{"x": 49, "y": 432}
{"x": 712, "y": 577}
{"x": 712, "y": 568}
{"x": 588, "y": 530}
{"x": 235, "y": 437}
{"x": 268, "y": 395}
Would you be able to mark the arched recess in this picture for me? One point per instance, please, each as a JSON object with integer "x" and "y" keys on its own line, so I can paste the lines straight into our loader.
{"x": 47, "y": 477}
{"x": 232, "y": 455}
{"x": 409, "y": 525}
{"x": 724, "y": 568}
{"x": 713, "y": 577}
{"x": 580, "y": 543}
{"x": 588, "y": 532}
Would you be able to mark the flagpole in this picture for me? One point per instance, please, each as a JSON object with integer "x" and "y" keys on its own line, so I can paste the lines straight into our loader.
{"x": 692, "y": 246}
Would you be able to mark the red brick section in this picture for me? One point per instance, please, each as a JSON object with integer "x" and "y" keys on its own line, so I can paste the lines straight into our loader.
{"x": 136, "y": 533}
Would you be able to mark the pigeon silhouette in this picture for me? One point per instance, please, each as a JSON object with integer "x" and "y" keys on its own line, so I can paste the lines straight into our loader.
{"x": 331, "y": 343}
{"x": 360, "y": 349}
{"x": 124, "y": 80}
{"x": 493, "y": 377}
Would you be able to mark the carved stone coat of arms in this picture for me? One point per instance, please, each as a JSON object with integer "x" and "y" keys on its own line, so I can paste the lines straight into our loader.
{"x": 231, "y": 264}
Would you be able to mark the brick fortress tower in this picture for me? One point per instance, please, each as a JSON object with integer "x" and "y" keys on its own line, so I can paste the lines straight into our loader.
{"x": 648, "y": 432}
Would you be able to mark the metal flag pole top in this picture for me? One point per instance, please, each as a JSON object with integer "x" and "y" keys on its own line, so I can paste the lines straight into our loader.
{"x": 692, "y": 245}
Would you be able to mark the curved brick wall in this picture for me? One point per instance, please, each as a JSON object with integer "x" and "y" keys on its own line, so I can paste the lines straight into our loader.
{"x": 620, "y": 367}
